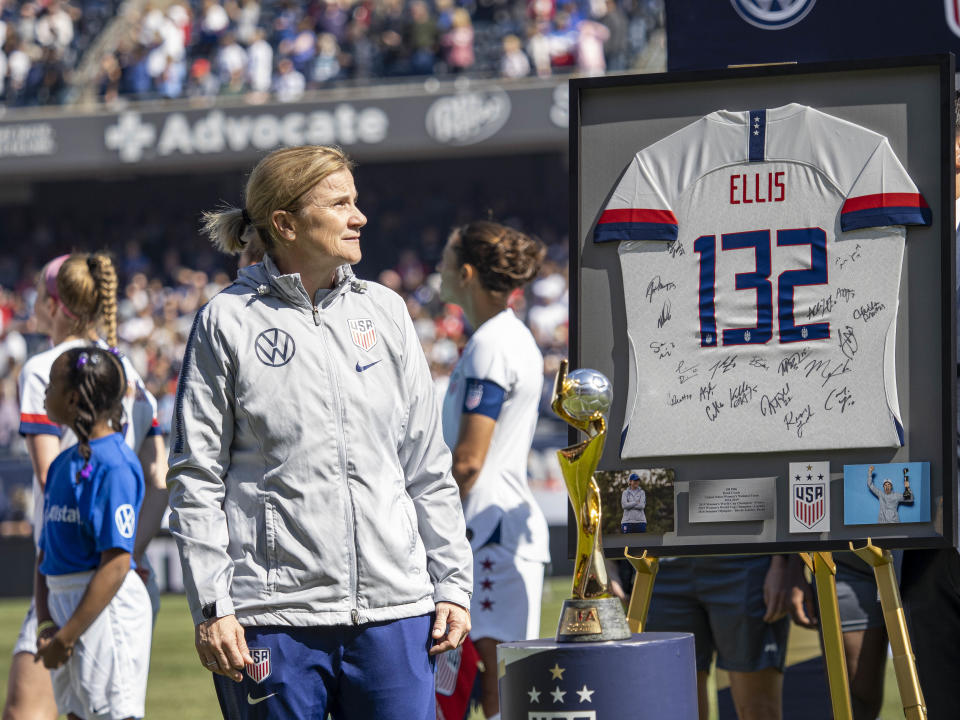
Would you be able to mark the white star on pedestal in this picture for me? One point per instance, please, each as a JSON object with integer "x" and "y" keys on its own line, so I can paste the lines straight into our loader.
{"x": 557, "y": 672}
{"x": 558, "y": 694}
{"x": 585, "y": 694}
{"x": 534, "y": 694}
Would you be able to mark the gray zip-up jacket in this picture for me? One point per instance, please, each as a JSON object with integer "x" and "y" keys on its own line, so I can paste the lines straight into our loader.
{"x": 309, "y": 480}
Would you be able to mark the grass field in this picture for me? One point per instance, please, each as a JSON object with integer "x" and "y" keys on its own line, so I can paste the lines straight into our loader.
{"x": 179, "y": 689}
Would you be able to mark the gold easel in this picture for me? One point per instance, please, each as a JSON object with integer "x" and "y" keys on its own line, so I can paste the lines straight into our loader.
{"x": 646, "y": 568}
{"x": 824, "y": 571}
{"x": 825, "y": 578}
{"x": 904, "y": 665}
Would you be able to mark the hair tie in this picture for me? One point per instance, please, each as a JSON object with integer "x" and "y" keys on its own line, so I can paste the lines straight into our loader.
{"x": 86, "y": 357}
{"x": 87, "y": 471}
{"x": 246, "y": 218}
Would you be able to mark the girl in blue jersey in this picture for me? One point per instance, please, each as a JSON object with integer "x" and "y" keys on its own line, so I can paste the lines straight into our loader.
{"x": 93, "y": 611}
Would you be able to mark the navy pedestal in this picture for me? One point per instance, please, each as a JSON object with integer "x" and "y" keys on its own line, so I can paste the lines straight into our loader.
{"x": 650, "y": 676}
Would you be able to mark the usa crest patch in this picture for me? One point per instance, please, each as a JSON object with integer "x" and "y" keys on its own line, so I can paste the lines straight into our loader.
{"x": 260, "y": 669}
{"x": 474, "y": 396}
{"x": 448, "y": 667}
{"x": 809, "y": 497}
{"x": 363, "y": 333}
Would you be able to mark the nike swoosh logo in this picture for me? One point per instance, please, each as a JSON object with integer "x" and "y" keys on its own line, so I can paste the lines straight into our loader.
{"x": 361, "y": 368}
{"x": 254, "y": 701}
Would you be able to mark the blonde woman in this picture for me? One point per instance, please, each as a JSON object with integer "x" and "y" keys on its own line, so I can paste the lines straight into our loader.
{"x": 318, "y": 523}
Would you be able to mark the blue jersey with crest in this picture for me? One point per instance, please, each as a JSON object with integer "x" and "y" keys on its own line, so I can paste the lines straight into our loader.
{"x": 81, "y": 519}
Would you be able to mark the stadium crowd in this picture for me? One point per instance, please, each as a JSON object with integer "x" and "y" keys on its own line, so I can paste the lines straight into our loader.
{"x": 50, "y": 50}
{"x": 167, "y": 273}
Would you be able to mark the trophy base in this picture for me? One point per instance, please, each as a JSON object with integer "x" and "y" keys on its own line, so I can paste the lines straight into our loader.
{"x": 592, "y": 620}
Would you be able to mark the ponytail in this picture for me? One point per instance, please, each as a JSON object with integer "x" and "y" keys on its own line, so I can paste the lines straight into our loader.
{"x": 105, "y": 278}
{"x": 230, "y": 229}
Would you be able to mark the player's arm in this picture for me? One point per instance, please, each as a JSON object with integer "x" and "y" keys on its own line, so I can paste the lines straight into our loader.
{"x": 153, "y": 460}
{"x": 40, "y": 594}
{"x": 106, "y": 581}
{"x": 42, "y": 449}
{"x": 473, "y": 443}
{"x": 624, "y": 503}
{"x": 870, "y": 485}
{"x": 483, "y": 400}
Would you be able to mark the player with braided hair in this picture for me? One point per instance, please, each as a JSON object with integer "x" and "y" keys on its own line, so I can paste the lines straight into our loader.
{"x": 489, "y": 416}
{"x": 76, "y": 294}
{"x": 85, "y": 565}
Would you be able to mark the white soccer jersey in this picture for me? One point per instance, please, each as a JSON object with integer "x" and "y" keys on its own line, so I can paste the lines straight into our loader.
{"x": 502, "y": 351}
{"x": 761, "y": 257}
{"x": 139, "y": 407}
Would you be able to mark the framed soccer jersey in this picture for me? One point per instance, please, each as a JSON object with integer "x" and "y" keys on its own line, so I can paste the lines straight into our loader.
{"x": 763, "y": 266}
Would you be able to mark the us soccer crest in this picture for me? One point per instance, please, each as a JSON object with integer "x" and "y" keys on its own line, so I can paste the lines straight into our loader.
{"x": 448, "y": 667}
{"x": 363, "y": 333}
{"x": 260, "y": 669}
{"x": 474, "y": 396}
{"x": 809, "y": 497}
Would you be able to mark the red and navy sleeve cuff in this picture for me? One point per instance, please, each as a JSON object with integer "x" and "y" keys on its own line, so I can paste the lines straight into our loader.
{"x": 38, "y": 424}
{"x": 636, "y": 224}
{"x": 155, "y": 428}
{"x": 884, "y": 209}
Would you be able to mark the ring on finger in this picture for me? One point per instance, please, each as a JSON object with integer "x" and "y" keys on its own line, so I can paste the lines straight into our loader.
{"x": 211, "y": 663}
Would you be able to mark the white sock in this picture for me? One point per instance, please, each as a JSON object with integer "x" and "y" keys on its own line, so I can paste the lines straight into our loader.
{"x": 494, "y": 717}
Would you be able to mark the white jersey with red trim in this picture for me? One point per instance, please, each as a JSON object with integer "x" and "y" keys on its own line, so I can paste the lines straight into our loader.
{"x": 761, "y": 256}
{"x": 139, "y": 407}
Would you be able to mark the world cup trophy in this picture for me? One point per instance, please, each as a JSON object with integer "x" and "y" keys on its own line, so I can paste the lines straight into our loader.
{"x": 583, "y": 399}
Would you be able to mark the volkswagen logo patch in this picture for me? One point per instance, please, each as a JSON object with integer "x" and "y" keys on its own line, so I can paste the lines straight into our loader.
{"x": 275, "y": 347}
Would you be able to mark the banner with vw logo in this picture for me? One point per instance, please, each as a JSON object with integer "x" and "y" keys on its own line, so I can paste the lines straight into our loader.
{"x": 710, "y": 35}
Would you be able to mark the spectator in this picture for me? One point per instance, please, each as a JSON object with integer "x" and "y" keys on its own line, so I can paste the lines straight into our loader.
{"x": 616, "y": 48}
{"x": 334, "y": 19}
{"x": 288, "y": 86}
{"x": 387, "y": 27}
{"x": 563, "y": 43}
{"x": 231, "y": 58}
{"x": 246, "y": 20}
{"x": 55, "y": 27}
{"x": 108, "y": 81}
{"x": 514, "y": 63}
{"x": 260, "y": 63}
{"x": 202, "y": 82}
{"x": 326, "y": 64}
{"x": 458, "y": 42}
{"x": 422, "y": 38}
{"x": 590, "y": 40}
{"x": 170, "y": 83}
{"x": 213, "y": 23}
{"x": 538, "y": 47}
{"x": 18, "y": 68}
{"x": 302, "y": 47}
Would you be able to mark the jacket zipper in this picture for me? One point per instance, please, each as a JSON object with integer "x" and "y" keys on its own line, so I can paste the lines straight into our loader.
{"x": 342, "y": 452}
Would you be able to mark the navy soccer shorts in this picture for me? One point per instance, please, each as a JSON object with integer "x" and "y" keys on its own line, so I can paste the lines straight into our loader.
{"x": 378, "y": 670}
